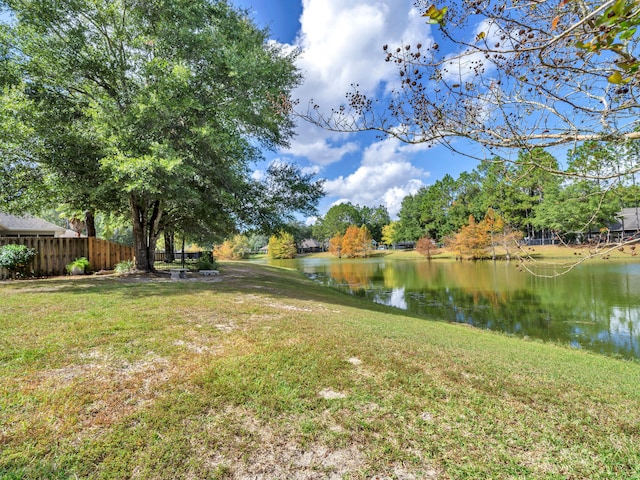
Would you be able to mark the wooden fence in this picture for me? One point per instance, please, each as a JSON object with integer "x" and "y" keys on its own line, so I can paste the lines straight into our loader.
{"x": 55, "y": 253}
{"x": 105, "y": 255}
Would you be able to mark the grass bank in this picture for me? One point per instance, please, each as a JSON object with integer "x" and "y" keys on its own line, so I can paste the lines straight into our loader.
{"x": 549, "y": 253}
{"x": 258, "y": 373}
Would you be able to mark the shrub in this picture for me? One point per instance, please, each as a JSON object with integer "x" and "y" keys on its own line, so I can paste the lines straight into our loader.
{"x": 79, "y": 263}
{"x": 207, "y": 262}
{"x": 126, "y": 266}
{"x": 16, "y": 259}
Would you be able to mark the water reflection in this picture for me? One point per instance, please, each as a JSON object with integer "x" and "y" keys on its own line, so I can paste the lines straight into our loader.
{"x": 596, "y": 306}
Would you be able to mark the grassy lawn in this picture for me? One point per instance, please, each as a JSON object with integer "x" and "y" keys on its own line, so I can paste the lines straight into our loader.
{"x": 259, "y": 373}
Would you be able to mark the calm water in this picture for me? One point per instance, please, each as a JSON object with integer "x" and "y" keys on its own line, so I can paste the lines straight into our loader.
{"x": 595, "y": 306}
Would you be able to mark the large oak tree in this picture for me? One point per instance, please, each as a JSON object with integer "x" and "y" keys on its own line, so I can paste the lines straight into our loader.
{"x": 160, "y": 107}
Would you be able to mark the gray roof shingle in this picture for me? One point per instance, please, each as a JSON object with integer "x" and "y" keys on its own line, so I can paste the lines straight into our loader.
{"x": 27, "y": 224}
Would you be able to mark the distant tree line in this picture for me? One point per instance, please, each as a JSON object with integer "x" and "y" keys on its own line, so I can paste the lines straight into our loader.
{"x": 495, "y": 205}
{"x": 526, "y": 195}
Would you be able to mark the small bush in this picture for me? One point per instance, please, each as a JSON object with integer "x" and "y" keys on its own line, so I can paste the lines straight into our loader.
{"x": 82, "y": 263}
{"x": 126, "y": 266}
{"x": 207, "y": 262}
{"x": 16, "y": 259}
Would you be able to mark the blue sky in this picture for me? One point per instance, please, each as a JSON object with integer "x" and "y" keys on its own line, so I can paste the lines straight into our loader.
{"x": 341, "y": 44}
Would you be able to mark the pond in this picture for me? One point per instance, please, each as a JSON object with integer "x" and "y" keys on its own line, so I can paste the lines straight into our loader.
{"x": 595, "y": 306}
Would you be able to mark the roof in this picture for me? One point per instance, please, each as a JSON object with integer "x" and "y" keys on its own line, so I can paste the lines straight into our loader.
{"x": 27, "y": 225}
{"x": 310, "y": 243}
{"x": 629, "y": 219}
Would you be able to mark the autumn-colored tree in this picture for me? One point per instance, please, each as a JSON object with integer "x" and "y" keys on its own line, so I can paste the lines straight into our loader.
{"x": 356, "y": 242}
{"x": 364, "y": 242}
{"x": 235, "y": 248}
{"x": 427, "y": 247}
{"x": 500, "y": 233}
{"x": 282, "y": 245}
{"x": 350, "y": 241}
{"x": 335, "y": 245}
{"x": 389, "y": 233}
{"x": 472, "y": 241}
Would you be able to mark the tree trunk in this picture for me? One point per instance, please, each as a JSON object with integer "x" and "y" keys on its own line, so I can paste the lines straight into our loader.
{"x": 90, "y": 223}
{"x": 169, "y": 246}
{"x": 146, "y": 216}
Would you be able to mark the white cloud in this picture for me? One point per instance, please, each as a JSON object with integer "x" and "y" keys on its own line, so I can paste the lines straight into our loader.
{"x": 384, "y": 177}
{"x": 313, "y": 170}
{"x": 341, "y": 45}
{"x": 339, "y": 201}
{"x": 320, "y": 151}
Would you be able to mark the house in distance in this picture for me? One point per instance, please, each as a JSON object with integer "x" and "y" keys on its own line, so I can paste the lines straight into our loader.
{"x": 30, "y": 226}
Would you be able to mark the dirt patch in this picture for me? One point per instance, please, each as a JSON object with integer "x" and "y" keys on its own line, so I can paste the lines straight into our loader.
{"x": 259, "y": 451}
{"x": 329, "y": 394}
{"x": 291, "y": 461}
{"x": 195, "y": 348}
{"x": 113, "y": 388}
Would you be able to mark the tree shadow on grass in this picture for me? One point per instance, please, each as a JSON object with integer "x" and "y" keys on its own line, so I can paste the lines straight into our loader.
{"x": 235, "y": 277}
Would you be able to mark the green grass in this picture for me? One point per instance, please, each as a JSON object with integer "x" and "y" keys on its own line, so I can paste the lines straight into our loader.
{"x": 260, "y": 372}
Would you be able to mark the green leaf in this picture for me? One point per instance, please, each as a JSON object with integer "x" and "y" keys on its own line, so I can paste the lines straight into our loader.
{"x": 618, "y": 7}
{"x": 627, "y": 65}
{"x": 617, "y": 79}
{"x": 627, "y": 34}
